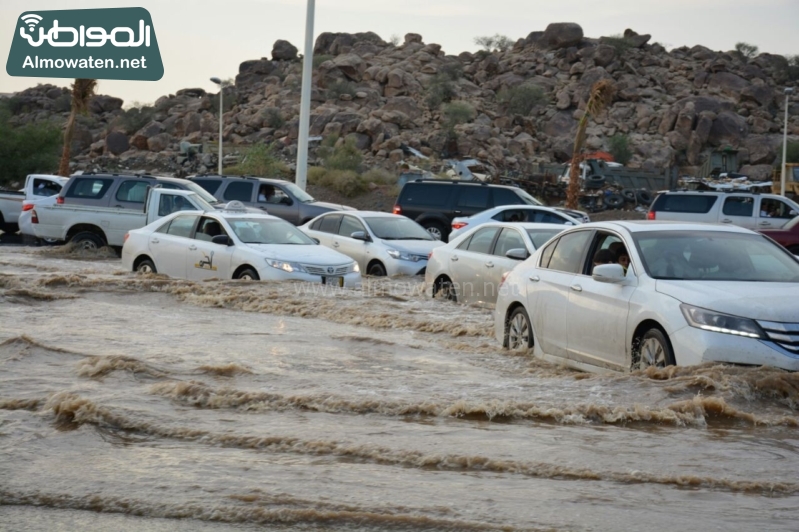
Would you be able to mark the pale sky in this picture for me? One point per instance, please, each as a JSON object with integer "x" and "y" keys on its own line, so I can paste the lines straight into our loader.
{"x": 199, "y": 39}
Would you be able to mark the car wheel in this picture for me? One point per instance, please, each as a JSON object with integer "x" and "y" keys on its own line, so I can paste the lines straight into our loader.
{"x": 445, "y": 289}
{"x": 146, "y": 266}
{"x": 518, "y": 331}
{"x": 88, "y": 241}
{"x": 248, "y": 274}
{"x": 653, "y": 350}
{"x": 376, "y": 269}
{"x": 436, "y": 230}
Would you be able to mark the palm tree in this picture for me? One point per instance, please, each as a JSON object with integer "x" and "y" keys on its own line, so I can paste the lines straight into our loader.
{"x": 601, "y": 96}
{"x": 82, "y": 92}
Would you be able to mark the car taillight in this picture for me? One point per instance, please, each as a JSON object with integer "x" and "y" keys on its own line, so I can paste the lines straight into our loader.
{"x": 397, "y": 209}
{"x": 459, "y": 225}
{"x": 59, "y": 200}
{"x": 650, "y": 215}
{"x": 27, "y": 206}
{"x": 34, "y": 217}
{"x": 126, "y": 237}
{"x": 430, "y": 255}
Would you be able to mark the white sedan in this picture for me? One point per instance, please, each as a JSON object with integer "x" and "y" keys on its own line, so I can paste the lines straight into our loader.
{"x": 692, "y": 293}
{"x": 234, "y": 244}
{"x": 381, "y": 243}
{"x": 470, "y": 268}
{"x": 513, "y": 213}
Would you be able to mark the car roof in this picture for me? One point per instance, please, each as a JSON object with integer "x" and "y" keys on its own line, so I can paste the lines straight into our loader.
{"x": 638, "y": 226}
{"x": 459, "y": 183}
{"x": 247, "y": 177}
{"x": 372, "y": 214}
{"x": 527, "y": 225}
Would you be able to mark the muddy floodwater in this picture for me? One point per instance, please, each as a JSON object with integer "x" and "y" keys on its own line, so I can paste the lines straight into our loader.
{"x": 132, "y": 402}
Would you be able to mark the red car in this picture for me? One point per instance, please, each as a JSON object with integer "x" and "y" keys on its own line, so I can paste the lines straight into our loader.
{"x": 788, "y": 236}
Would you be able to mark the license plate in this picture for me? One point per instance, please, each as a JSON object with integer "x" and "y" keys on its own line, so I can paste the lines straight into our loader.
{"x": 333, "y": 281}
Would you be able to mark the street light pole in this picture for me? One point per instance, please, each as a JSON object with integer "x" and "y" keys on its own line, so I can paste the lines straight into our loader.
{"x": 305, "y": 99}
{"x": 788, "y": 92}
{"x": 221, "y": 107}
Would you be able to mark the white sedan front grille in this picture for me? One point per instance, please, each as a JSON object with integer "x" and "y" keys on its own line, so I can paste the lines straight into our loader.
{"x": 328, "y": 270}
{"x": 786, "y": 335}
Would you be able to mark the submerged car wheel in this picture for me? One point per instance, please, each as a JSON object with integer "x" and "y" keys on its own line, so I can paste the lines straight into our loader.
{"x": 445, "y": 289}
{"x": 376, "y": 269}
{"x": 248, "y": 274}
{"x": 146, "y": 266}
{"x": 88, "y": 241}
{"x": 518, "y": 331}
{"x": 653, "y": 350}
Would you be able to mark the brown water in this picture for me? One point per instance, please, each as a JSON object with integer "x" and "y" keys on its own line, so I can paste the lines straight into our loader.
{"x": 143, "y": 403}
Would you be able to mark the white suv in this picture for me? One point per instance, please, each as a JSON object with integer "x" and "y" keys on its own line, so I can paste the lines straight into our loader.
{"x": 753, "y": 211}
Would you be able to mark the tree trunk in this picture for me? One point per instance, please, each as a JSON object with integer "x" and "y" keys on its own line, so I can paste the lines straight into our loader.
{"x": 573, "y": 192}
{"x": 69, "y": 133}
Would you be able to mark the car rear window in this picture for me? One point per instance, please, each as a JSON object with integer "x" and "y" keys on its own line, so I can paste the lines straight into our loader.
{"x": 94, "y": 187}
{"x": 211, "y": 185}
{"x": 473, "y": 197}
{"x": 434, "y": 195}
{"x": 241, "y": 191}
{"x": 693, "y": 203}
{"x": 504, "y": 196}
{"x": 133, "y": 190}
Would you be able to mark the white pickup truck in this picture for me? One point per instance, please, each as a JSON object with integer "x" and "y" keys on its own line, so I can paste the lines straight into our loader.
{"x": 36, "y": 186}
{"x": 95, "y": 227}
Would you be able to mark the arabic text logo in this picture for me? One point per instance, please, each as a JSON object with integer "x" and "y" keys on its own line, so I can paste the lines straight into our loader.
{"x": 88, "y": 37}
{"x": 31, "y": 20}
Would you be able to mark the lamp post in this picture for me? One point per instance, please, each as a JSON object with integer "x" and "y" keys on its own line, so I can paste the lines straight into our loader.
{"x": 305, "y": 99}
{"x": 788, "y": 92}
{"x": 222, "y": 85}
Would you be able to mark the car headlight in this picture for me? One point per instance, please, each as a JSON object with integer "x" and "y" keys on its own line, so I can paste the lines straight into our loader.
{"x": 710, "y": 320}
{"x": 355, "y": 267}
{"x": 285, "y": 266}
{"x": 403, "y": 255}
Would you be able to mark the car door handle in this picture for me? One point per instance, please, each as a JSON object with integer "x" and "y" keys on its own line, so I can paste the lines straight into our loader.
{"x": 726, "y": 221}
{"x": 765, "y": 223}
{"x": 457, "y": 212}
{"x": 154, "y": 241}
{"x": 117, "y": 206}
{"x": 577, "y": 288}
{"x": 535, "y": 278}
{"x": 454, "y": 258}
{"x": 335, "y": 244}
{"x": 489, "y": 264}
{"x": 193, "y": 248}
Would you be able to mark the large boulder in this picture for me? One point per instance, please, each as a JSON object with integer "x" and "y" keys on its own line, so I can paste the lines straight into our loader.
{"x": 253, "y": 71}
{"x": 81, "y": 140}
{"x": 562, "y": 124}
{"x": 761, "y": 94}
{"x": 729, "y": 129}
{"x": 762, "y": 149}
{"x": 116, "y": 143}
{"x": 635, "y": 40}
{"x": 604, "y": 55}
{"x": 284, "y": 51}
{"x": 562, "y": 35}
{"x": 104, "y": 104}
{"x": 159, "y": 142}
{"x": 403, "y": 104}
{"x": 728, "y": 83}
{"x": 350, "y": 65}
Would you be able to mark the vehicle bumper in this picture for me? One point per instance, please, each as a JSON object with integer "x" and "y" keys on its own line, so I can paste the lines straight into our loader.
{"x": 695, "y": 346}
{"x": 351, "y": 280}
{"x": 406, "y": 267}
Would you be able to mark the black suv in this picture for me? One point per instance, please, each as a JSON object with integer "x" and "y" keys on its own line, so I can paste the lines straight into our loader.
{"x": 277, "y": 197}
{"x": 433, "y": 203}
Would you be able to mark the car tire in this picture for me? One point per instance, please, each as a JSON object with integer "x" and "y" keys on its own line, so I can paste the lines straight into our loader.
{"x": 87, "y": 240}
{"x": 146, "y": 266}
{"x": 436, "y": 230}
{"x": 653, "y": 349}
{"x": 518, "y": 330}
{"x": 628, "y": 194}
{"x": 248, "y": 274}
{"x": 614, "y": 201}
{"x": 376, "y": 269}
{"x": 644, "y": 197}
{"x": 444, "y": 286}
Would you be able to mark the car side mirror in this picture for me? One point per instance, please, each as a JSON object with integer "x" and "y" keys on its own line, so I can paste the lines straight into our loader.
{"x": 360, "y": 235}
{"x": 222, "y": 240}
{"x": 517, "y": 254}
{"x": 609, "y": 273}
{"x": 316, "y": 240}
{"x": 793, "y": 213}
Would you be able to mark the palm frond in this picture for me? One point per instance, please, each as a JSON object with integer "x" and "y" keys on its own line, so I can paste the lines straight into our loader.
{"x": 82, "y": 92}
{"x": 601, "y": 97}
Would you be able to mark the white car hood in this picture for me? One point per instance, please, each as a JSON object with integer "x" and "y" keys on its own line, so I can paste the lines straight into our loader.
{"x": 759, "y": 301}
{"x": 415, "y": 247}
{"x": 306, "y": 254}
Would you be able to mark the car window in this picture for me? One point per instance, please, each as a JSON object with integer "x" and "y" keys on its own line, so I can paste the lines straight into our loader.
{"x": 512, "y": 215}
{"x": 482, "y": 239}
{"x": 133, "y": 190}
{"x": 692, "y": 203}
{"x": 542, "y": 236}
{"x": 330, "y": 223}
{"x": 164, "y": 228}
{"x": 546, "y": 255}
{"x": 211, "y": 185}
{"x": 168, "y": 204}
{"x": 266, "y": 231}
{"x": 208, "y": 229}
{"x": 608, "y": 247}
{"x": 89, "y": 188}
{"x": 473, "y": 197}
{"x": 568, "y": 253}
{"x": 739, "y": 206}
{"x": 434, "y": 195}
{"x": 504, "y": 196}
{"x": 349, "y": 225}
{"x": 45, "y": 187}
{"x": 397, "y": 228}
{"x": 182, "y": 226}
{"x": 239, "y": 191}
{"x": 277, "y": 197}
{"x": 508, "y": 239}
{"x": 317, "y": 224}
{"x": 774, "y": 208}
{"x": 545, "y": 217}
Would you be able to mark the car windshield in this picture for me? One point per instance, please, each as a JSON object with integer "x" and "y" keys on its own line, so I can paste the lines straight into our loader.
{"x": 300, "y": 194}
{"x": 264, "y": 231}
{"x": 541, "y": 236}
{"x": 528, "y": 198}
{"x": 200, "y": 191}
{"x": 714, "y": 256}
{"x": 390, "y": 228}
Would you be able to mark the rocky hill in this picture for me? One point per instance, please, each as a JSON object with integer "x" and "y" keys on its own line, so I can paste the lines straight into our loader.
{"x": 518, "y": 107}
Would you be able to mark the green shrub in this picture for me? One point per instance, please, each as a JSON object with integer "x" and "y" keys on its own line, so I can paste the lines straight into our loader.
{"x": 459, "y": 112}
{"x": 319, "y": 59}
{"x": 619, "y": 43}
{"x": 450, "y": 71}
{"x": 337, "y": 88}
{"x": 343, "y": 156}
{"x": 521, "y": 99}
{"x": 495, "y": 42}
{"x": 230, "y": 99}
{"x": 441, "y": 91}
{"x": 788, "y": 70}
{"x": 32, "y": 148}
{"x": 619, "y": 148}
{"x": 261, "y": 160}
{"x": 274, "y": 119}
{"x": 746, "y": 50}
{"x": 15, "y": 105}
{"x": 379, "y": 176}
{"x": 346, "y": 182}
